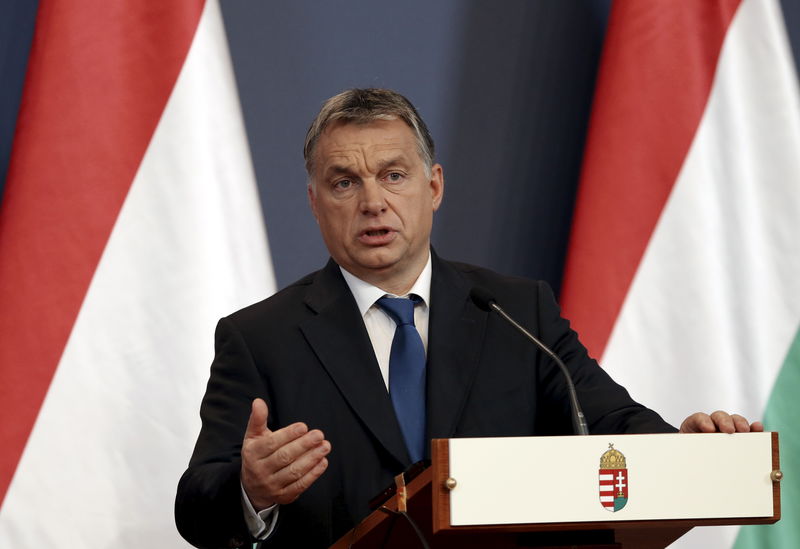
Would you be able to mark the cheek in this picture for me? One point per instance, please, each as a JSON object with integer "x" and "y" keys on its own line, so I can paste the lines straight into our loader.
{"x": 334, "y": 220}
{"x": 422, "y": 211}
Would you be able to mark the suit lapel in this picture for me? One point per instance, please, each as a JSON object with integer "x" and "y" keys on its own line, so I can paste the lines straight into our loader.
{"x": 339, "y": 339}
{"x": 455, "y": 332}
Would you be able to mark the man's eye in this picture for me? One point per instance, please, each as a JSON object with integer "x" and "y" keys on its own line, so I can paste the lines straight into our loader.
{"x": 395, "y": 177}
{"x": 343, "y": 184}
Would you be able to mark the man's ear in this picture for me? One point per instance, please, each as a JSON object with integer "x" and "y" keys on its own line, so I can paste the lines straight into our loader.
{"x": 437, "y": 185}
{"x": 312, "y": 201}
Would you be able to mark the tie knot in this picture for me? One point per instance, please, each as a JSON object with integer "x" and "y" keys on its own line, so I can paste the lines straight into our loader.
{"x": 401, "y": 309}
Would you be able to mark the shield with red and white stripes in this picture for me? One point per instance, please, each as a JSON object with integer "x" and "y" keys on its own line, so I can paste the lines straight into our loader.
{"x": 613, "y": 488}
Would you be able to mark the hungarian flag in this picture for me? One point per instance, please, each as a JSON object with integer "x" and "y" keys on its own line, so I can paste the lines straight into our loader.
{"x": 130, "y": 223}
{"x": 683, "y": 273}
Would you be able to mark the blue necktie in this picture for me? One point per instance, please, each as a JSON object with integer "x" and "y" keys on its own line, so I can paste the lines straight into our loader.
{"x": 407, "y": 373}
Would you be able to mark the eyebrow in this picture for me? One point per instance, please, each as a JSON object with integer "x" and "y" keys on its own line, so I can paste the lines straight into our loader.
{"x": 400, "y": 159}
{"x": 337, "y": 169}
{"x": 345, "y": 169}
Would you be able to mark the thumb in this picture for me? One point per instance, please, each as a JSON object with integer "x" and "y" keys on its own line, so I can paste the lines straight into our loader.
{"x": 257, "y": 424}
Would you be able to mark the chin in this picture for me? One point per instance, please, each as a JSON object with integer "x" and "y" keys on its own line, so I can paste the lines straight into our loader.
{"x": 374, "y": 265}
{"x": 377, "y": 267}
{"x": 377, "y": 258}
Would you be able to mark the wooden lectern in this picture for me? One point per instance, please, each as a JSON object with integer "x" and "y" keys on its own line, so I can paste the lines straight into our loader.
{"x": 603, "y": 491}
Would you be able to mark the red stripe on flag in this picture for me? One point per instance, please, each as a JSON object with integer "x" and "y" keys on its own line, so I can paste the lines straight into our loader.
{"x": 655, "y": 77}
{"x": 99, "y": 76}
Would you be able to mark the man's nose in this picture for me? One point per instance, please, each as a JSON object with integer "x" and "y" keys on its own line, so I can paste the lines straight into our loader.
{"x": 372, "y": 198}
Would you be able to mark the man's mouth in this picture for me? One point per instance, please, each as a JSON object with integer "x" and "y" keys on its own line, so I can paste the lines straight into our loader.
{"x": 377, "y": 236}
{"x": 377, "y": 232}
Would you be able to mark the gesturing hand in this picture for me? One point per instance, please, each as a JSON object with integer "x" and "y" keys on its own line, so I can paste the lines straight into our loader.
{"x": 278, "y": 466}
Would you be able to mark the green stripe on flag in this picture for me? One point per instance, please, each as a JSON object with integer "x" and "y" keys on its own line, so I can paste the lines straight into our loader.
{"x": 783, "y": 410}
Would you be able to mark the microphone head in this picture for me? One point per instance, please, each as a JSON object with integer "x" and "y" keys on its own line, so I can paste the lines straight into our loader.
{"x": 482, "y": 298}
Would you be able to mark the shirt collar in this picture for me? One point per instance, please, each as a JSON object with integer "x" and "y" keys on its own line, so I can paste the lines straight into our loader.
{"x": 366, "y": 294}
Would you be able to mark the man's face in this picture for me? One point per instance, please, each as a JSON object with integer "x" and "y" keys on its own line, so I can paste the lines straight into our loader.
{"x": 373, "y": 202}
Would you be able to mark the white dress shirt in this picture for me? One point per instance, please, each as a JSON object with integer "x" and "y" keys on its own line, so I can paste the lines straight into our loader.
{"x": 380, "y": 328}
{"x": 379, "y": 324}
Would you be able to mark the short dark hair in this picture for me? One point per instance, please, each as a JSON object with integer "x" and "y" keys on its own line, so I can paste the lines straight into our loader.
{"x": 362, "y": 106}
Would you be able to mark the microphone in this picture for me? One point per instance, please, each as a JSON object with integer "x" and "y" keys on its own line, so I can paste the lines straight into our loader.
{"x": 484, "y": 300}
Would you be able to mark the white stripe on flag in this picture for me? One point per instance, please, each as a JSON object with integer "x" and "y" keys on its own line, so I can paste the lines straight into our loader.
{"x": 715, "y": 302}
{"x": 119, "y": 422}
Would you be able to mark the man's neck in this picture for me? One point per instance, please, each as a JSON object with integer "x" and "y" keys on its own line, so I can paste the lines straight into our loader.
{"x": 395, "y": 286}
{"x": 394, "y": 283}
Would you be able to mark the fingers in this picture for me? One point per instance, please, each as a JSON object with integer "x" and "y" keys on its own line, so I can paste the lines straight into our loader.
{"x": 278, "y": 466}
{"x": 724, "y": 422}
{"x": 744, "y": 426}
{"x": 719, "y": 421}
{"x": 740, "y": 424}
{"x": 281, "y": 475}
{"x": 698, "y": 423}
{"x": 288, "y": 458}
{"x": 294, "y": 478}
{"x": 259, "y": 446}
{"x": 264, "y": 446}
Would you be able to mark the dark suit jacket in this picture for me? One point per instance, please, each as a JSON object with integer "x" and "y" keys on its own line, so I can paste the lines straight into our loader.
{"x": 306, "y": 351}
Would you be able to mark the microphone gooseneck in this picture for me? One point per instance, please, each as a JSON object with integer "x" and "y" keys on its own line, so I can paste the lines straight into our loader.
{"x": 485, "y": 301}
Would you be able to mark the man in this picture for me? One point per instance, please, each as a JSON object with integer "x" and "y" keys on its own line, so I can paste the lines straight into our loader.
{"x": 299, "y": 430}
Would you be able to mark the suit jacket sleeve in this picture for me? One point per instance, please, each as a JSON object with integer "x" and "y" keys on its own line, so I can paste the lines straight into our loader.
{"x": 608, "y": 406}
{"x": 208, "y": 506}
{"x": 305, "y": 351}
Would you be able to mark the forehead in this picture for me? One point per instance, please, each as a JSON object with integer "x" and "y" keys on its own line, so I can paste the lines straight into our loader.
{"x": 345, "y": 140}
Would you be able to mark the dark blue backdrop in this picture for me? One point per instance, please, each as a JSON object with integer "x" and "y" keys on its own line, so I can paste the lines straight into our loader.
{"x": 505, "y": 87}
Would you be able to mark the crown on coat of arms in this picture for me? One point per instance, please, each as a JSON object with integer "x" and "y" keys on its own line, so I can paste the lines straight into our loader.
{"x": 612, "y": 459}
